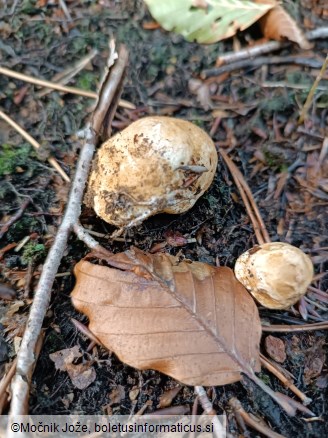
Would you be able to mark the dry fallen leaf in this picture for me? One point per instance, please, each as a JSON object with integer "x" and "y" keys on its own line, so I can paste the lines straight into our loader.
{"x": 14, "y": 323}
{"x": 207, "y": 21}
{"x": 202, "y": 91}
{"x": 81, "y": 375}
{"x": 190, "y": 320}
{"x": 278, "y": 25}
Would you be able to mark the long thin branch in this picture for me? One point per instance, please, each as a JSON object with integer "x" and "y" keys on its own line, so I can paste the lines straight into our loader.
{"x": 208, "y": 409}
{"x": 258, "y": 62}
{"x": 295, "y": 328}
{"x": 90, "y": 242}
{"x": 267, "y": 47}
{"x": 72, "y": 90}
{"x": 25, "y": 357}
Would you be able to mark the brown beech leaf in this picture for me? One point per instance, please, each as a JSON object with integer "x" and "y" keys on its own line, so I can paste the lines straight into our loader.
{"x": 278, "y": 25}
{"x": 189, "y": 320}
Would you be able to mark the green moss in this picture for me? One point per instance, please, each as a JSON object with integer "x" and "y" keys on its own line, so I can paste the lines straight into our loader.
{"x": 33, "y": 251}
{"x": 12, "y": 157}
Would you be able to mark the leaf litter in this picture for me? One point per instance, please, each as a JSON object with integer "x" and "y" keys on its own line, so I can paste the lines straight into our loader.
{"x": 82, "y": 374}
{"x": 278, "y": 25}
{"x": 206, "y": 21}
{"x": 209, "y": 21}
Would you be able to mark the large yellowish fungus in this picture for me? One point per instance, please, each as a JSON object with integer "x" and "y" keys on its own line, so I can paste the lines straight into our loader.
{"x": 155, "y": 165}
{"x": 276, "y": 274}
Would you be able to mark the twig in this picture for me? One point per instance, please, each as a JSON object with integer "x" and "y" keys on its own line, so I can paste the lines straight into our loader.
{"x": 270, "y": 367}
{"x": 314, "y": 303}
{"x": 280, "y": 328}
{"x": 7, "y": 248}
{"x": 5, "y": 383}
{"x": 5, "y": 227}
{"x": 267, "y": 47}
{"x": 42, "y": 83}
{"x": 260, "y": 230}
{"x": 65, "y": 10}
{"x": 309, "y": 98}
{"x": 260, "y": 427}
{"x": 43, "y": 292}
{"x": 284, "y": 84}
{"x": 65, "y": 76}
{"x": 22, "y": 243}
{"x": 258, "y": 62}
{"x": 25, "y": 357}
{"x": 108, "y": 236}
{"x": 85, "y": 331}
{"x": 90, "y": 242}
{"x": 34, "y": 143}
{"x": 219, "y": 430}
{"x": 104, "y": 113}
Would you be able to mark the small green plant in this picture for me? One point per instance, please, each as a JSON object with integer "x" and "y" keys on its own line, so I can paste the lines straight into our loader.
{"x": 279, "y": 103}
{"x": 275, "y": 159}
{"x": 265, "y": 378}
{"x": 87, "y": 81}
{"x": 33, "y": 252}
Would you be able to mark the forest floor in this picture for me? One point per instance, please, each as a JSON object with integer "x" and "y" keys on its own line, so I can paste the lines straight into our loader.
{"x": 251, "y": 113}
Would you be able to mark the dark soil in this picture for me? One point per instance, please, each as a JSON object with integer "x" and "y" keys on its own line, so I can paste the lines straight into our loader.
{"x": 257, "y": 126}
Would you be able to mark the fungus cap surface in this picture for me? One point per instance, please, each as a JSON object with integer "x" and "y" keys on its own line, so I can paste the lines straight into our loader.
{"x": 276, "y": 274}
{"x": 155, "y": 165}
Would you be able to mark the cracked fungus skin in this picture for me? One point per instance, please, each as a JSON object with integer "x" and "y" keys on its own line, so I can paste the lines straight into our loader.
{"x": 276, "y": 274}
{"x": 141, "y": 171}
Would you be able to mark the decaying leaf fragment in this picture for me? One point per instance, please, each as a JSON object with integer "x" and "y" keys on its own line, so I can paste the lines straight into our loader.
{"x": 207, "y": 21}
{"x": 81, "y": 375}
{"x": 278, "y": 25}
{"x": 189, "y": 320}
